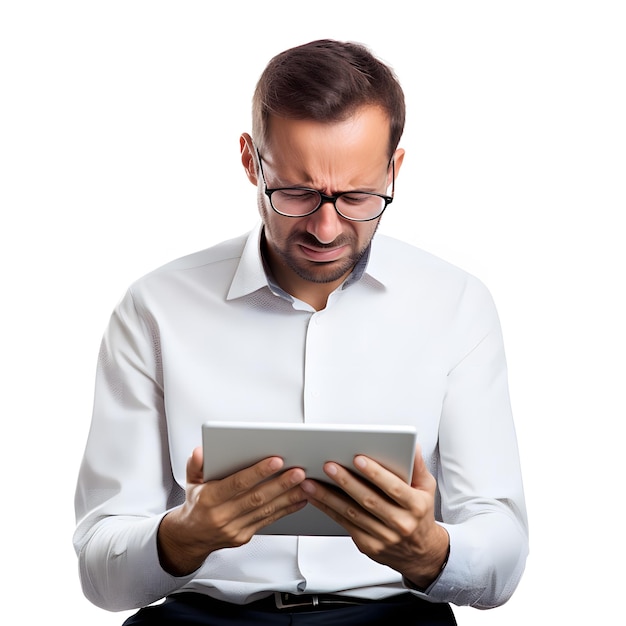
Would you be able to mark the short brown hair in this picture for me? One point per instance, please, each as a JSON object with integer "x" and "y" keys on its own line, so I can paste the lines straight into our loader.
{"x": 326, "y": 81}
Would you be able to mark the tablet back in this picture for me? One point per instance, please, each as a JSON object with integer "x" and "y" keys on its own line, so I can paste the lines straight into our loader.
{"x": 232, "y": 446}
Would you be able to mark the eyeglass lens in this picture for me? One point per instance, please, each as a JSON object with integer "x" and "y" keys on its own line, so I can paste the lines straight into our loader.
{"x": 354, "y": 205}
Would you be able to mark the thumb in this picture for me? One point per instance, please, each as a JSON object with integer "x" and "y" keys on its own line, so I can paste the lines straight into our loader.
{"x": 194, "y": 467}
{"x": 422, "y": 478}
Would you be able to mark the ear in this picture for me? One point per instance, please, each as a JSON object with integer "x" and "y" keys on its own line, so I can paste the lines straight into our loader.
{"x": 248, "y": 158}
{"x": 398, "y": 157}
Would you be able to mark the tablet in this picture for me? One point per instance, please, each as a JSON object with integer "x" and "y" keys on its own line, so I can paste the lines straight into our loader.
{"x": 232, "y": 446}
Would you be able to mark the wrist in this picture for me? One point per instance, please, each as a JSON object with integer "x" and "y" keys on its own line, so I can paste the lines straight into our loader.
{"x": 175, "y": 558}
{"x": 430, "y": 568}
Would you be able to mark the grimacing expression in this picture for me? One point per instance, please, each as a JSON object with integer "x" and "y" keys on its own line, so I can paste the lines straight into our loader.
{"x": 350, "y": 155}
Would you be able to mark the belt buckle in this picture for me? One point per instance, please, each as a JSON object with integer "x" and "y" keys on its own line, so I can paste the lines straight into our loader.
{"x": 291, "y": 601}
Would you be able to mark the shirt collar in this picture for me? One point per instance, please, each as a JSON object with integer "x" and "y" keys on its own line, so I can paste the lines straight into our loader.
{"x": 251, "y": 275}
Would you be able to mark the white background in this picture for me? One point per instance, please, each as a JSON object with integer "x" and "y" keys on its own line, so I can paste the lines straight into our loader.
{"x": 119, "y": 129}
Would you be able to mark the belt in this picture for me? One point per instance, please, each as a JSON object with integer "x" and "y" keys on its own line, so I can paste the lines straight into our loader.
{"x": 285, "y": 602}
{"x": 312, "y": 601}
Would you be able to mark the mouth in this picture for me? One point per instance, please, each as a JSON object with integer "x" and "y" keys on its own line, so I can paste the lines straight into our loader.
{"x": 322, "y": 255}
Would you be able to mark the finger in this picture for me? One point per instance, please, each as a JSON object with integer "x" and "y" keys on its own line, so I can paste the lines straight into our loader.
{"x": 344, "y": 510}
{"x": 273, "y": 494}
{"x": 394, "y": 487}
{"x": 261, "y": 512}
{"x": 384, "y": 496}
{"x": 244, "y": 480}
{"x": 259, "y": 490}
{"x": 247, "y": 512}
{"x": 378, "y": 476}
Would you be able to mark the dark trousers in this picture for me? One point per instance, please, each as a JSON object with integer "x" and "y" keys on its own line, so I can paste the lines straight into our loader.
{"x": 192, "y": 608}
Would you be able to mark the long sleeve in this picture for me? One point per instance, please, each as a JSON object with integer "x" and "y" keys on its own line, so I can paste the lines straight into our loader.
{"x": 479, "y": 478}
{"x": 125, "y": 483}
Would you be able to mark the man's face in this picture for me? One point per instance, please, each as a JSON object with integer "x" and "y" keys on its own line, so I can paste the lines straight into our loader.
{"x": 322, "y": 248}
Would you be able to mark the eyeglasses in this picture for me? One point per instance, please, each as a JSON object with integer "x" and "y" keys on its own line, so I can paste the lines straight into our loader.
{"x": 356, "y": 206}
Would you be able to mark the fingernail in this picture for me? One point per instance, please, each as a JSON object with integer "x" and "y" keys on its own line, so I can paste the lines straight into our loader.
{"x": 331, "y": 469}
{"x": 308, "y": 486}
{"x": 276, "y": 463}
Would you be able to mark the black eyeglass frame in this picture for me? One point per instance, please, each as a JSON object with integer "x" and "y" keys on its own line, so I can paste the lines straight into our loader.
{"x": 324, "y": 198}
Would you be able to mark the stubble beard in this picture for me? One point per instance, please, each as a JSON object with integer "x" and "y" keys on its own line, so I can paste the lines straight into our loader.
{"x": 320, "y": 272}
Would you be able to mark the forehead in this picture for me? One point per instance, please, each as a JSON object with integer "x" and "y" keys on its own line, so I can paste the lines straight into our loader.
{"x": 308, "y": 150}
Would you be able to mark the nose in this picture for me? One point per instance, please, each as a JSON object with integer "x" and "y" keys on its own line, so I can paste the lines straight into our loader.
{"x": 325, "y": 224}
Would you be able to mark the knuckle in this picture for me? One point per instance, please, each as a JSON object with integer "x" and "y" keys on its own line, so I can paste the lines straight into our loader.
{"x": 267, "y": 511}
{"x": 216, "y": 517}
{"x": 396, "y": 491}
{"x": 342, "y": 478}
{"x": 352, "y": 513}
{"x": 371, "y": 502}
{"x": 405, "y": 527}
{"x": 294, "y": 497}
{"x": 256, "y": 499}
{"x": 239, "y": 483}
{"x": 236, "y": 538}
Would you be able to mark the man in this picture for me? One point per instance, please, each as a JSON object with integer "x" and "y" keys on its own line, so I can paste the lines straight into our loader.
{"x": 308, "y": 318}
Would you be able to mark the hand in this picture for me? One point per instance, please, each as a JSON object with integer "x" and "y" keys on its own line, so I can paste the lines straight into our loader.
{"x": 226, "y": 513}
{"x": 391, "y": 522}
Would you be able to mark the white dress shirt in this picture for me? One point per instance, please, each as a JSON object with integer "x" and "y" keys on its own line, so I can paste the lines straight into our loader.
{"x": 413, "y": 340}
